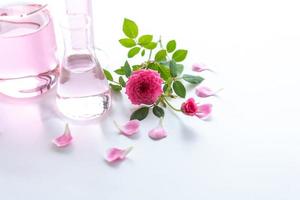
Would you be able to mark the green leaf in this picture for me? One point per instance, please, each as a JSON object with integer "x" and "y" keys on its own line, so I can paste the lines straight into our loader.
{"x": 130, "y": 28}
{"x": 120, "y": 71}
{"x": 127, "y": 42}
{"x": 153, "y": 66}
{"x": 179, "y": 69}
{"x": 180, "y": 55}
{"x": 151, "y": 45}
{"x": 161, "y": 55}
{"x": 145, "y": 39}
{"x": 143, "y": 52}
{"x": 171, "y": 46}
{"x": 133, "y": 52}
{"x": 140, "y": 113}
{"x": 173, "y": 69}
{"x": 158, "y": 111}
{"x": 122, "y": 81}
{"x": 136, "y": 67}
{"x": 108, "y": 75}
{"x": 164, "y": 72}
{"x": 192, "y": 79}
{"x": 116, "y": 88}
{"x": 179, "y": 89}
{"x": 127, "y": 69}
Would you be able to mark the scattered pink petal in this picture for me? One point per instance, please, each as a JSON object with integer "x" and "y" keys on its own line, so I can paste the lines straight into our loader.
{"x": 204, "y": 111}
{"x": 157, "y": 133}
{"x": 115, "y": 154}
{"x": 200, "y": 68}
{"x": 65, "y": 139}
{"x": 204, "y": 92}
{"x": 130, "y": 128}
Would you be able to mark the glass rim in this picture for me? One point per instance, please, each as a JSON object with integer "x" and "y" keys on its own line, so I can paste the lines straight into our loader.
{"x": 18, "y": 18}
{"x": 39, "y": 8}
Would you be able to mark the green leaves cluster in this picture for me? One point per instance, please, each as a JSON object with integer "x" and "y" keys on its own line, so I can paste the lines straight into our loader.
{"x": 124, "y": 73}
{"x": 143, "y": 112}
{"x": 165, "y": 59}
{"x": 136, "y": 44}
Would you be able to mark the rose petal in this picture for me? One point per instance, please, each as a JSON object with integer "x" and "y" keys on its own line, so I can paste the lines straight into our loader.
{"x": 204, "y": 111}
{"x": 65, "y": 139}
{"x": 200, "y": 67}
{"x": 130, "y": 128}
{"x": 204, "y": 92}
{"x": 157, "y": 133}
{"x": 116, "y": 154}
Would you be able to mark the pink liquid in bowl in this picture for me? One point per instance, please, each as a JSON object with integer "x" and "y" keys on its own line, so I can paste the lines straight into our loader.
{"x": 28, "y": 64}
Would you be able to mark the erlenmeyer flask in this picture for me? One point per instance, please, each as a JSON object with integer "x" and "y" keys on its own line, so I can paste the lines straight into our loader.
{"x": 83, "y": 91}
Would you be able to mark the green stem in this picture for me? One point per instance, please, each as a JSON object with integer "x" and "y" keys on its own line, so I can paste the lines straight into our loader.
{"x": 128, "y": 150}
{"x": 166, "y": 101}
{"x": 162, "y": 46}
{"x": 161, "y": 121}
{"x": 160, "y": 43}
{"x": 169, "y": 83}
{"x": 150, "y": 54}
{"x": 116, "y": 82}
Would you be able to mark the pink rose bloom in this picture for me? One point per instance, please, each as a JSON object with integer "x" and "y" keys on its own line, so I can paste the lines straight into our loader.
{"x": 191, "y": 108}
{"x": 144, "y": 87}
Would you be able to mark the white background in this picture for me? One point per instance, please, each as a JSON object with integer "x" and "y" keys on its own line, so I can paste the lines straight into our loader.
{"x": 249, "y": 151}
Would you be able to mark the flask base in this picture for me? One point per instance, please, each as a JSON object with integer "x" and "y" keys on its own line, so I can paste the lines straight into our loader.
{"x": 84, "y": 108}
{"x": 29, "y": 86}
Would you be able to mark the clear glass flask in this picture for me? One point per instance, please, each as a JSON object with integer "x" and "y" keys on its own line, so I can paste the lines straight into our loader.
{"x": 83, "y": 91}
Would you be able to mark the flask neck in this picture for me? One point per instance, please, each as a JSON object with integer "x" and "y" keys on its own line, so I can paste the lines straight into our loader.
{"x": 83, "y": 7}
{"x": 80, "y": 19}
{"x": 78, "y": 36}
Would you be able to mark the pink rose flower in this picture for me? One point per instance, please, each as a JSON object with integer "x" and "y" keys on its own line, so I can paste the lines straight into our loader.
{"x": 144, "y": 87}
{"x": 191, "y": 108}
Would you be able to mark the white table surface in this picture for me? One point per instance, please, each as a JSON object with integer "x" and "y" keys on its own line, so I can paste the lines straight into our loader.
{"x": 248, "y": 151}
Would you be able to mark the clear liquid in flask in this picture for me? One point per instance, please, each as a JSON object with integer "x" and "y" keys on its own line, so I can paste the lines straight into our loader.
{"x": 83, "y": 91}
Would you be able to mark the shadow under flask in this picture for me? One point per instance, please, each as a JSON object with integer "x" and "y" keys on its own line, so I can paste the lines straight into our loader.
{"x": 83, "y": 91}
